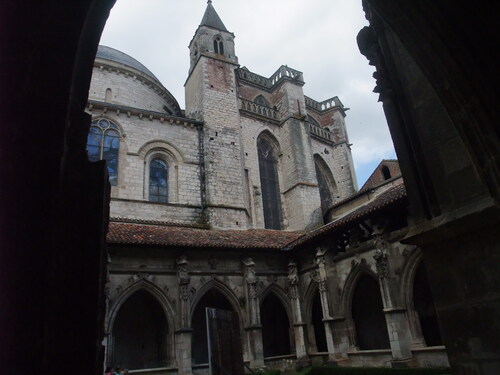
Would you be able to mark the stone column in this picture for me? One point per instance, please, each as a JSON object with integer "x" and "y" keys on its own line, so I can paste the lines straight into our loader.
{"x": 325, "y": 305}
{"x": 184, "y": 334}
{"x": 298, "y": 324}
{"x": 396, "y": 317}
{"x": 254, "y": 329}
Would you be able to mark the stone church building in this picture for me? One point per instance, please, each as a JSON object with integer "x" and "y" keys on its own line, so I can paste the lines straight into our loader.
{"x": 247, "y": 200}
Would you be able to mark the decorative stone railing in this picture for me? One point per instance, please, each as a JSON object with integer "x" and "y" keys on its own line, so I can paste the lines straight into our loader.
{"x": 320, "y": 132}
{"x": 254, "y": 78}
{"x": 325, "y": 104}
{"x": 282, "y": 73}
{"x": 261, "y": 110}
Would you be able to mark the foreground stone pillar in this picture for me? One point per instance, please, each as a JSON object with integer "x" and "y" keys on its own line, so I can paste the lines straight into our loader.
{"x": 254, "y": 330}
{"x": 183, "y": 336}
{"x": 325, "y": 305}
{"x": 298, "y": 324}
{"x": 396, "y": 318}
{"x": 183, "y": 351}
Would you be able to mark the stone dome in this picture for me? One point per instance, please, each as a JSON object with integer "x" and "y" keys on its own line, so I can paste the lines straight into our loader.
{"x": 111, "y": 54}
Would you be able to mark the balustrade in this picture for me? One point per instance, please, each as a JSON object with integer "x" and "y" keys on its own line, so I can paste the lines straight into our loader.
{"x": 325, "y": 104}
{"x": 259, "y": 109}
{"x": 320, "y": 132}
{"x": 282, "y": 73}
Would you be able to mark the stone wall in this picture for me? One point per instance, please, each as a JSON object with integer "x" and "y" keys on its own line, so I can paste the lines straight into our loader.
{"x": 129, "y": 89}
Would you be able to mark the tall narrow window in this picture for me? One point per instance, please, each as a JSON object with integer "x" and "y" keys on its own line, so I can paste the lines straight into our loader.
{"x": 271, "y": 197}
{"x": 218, "y": 45}
{"x": 158, "y": 176}
{"x": 103, "y": 143}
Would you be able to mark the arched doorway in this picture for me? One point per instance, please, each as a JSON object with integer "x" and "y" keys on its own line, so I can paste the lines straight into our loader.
{"x": 368, "y": 315}
{"x": 424, "y": 306}
{"x": 318, "y": 325}
{"x": 199, "y": 347}
{"x": 140, "y": 333}
{"x": 275, "y": 327}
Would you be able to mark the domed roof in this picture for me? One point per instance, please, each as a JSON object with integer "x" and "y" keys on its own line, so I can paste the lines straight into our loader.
{"x": 111, "y": 54}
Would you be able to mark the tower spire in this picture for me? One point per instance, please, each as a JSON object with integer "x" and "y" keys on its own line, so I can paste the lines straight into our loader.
{"x": 212, "y": 19}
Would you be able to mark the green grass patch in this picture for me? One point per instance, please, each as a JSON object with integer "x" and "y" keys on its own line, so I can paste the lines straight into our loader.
{"x": 374, "y": 371}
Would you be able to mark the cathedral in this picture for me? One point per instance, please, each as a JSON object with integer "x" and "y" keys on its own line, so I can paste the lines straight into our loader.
{"x": 247, "y": 201}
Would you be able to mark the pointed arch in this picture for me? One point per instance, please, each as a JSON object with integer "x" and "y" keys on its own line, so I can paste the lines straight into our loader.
{"x": 314, "y": 317}
{"x": 281, "y": 295}
{"x": 151, "y": 288}
{"x": 328, "y": 190}
{"x": 277, "y": 332}
{"x": 422, "y": 314}
{"x": 350, "y": 285}
{"x": 222, "y": 288}
{"x": 366, "y": 315}
{"x": 213, "y": 293}
{"x": 261, "y": 100}
{"x": 158, "y": 297}
{"x": 268, "y": 156}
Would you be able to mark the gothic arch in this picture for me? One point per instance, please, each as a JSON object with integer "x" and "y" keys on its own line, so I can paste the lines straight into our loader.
{"x": 225, "y": 290}
{"x": 328, "y": 189}
{"x": 152, "y": 289}
{"x": 410, "y": 268}
{"x": 420, "y": 334}
{"x": 282, "y": 297}
{"x": 159, "y": 296}
{"x": 116, "y": 122}
{"x": 347, "y": 296}
{"x": 317, "y": 340}
{"x": 350, "y": 286}
{"x": 309, "y": 298}
{"x": 277, "y": 333}
{"x": 268, "y": 155}
{"x": 199, "y": 347}
{"x": 363, "y": 306}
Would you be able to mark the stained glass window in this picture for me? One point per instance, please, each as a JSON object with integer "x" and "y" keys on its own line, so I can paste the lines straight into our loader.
{"x": 103, "y": 143}
{"x": 158, "y": 181}
{"x": 271, "y": 197}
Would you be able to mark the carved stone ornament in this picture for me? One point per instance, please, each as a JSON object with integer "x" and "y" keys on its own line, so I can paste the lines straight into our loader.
{"x": 322, "y": 286}
{"x": 213, "y": 263}
{"x": 382, "y": 263}
{"x": 249, "y": 271}
{"x": 320, "y": 255}
{"x": 293, "y": 278}
{"x": 182, "y": 272}
{"x": 315, "y": 275}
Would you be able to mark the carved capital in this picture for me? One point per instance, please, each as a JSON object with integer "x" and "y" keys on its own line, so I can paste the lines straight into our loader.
{"x": 382, "y": 263}
{"x": 182, "y": 272}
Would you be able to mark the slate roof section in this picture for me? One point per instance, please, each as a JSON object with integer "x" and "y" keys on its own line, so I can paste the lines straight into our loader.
{"x": 212, "y": 19}
{"x": 390, "y": 198}
{"x": 165, "y": 236}
{"x": 111, "y": 54}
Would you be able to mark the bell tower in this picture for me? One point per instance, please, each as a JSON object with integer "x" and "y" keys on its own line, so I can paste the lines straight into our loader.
{"x": 211, "y": 97}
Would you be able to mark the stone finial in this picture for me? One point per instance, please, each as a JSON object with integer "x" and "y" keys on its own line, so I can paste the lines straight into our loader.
{"x": 209, "y": 2}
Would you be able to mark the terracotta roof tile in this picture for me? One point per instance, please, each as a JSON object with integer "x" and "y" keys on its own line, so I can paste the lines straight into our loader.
{"x": 165, "y": 236}
{"x": 393, "y": 196}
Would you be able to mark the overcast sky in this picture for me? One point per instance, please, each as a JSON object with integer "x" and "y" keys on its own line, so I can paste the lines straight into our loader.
{"x": 317, "y": 37}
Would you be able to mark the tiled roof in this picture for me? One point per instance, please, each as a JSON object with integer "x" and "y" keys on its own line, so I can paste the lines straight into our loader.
{"x": 164, "y": 236}
{"x": 389, "y": 198}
